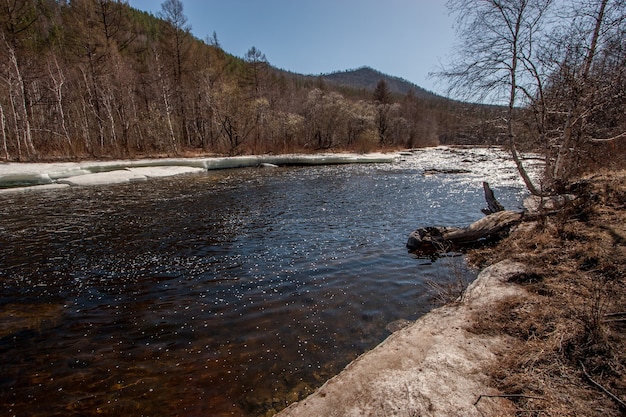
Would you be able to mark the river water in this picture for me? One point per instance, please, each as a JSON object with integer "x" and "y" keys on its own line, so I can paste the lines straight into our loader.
{"x": 230, "y": 292}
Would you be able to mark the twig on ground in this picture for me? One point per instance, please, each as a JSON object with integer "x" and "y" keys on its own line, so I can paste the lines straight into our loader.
{"x": 614, "y": 320}
{"x": 602, "y": 388}
{"x": 506, "y": 396}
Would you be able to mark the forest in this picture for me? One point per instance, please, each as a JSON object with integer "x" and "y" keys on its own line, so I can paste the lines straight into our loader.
{"x": 87, "y": 79}
{"x": 99, "y": 79}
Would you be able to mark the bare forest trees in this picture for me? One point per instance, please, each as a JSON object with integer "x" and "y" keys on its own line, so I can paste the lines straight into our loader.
{"x": 589, "y": 76}
{"x": 176, "y": 39}
{"x": 555, "y": 63}
{"x": 18, "y": 19}
{"x": 99, "y": 79}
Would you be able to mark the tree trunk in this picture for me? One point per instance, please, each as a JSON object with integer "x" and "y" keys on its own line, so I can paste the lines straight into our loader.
{"x": 166, "y": 102}
{"x": 4, "y": 133}
{"x": 431, "y": 240}
{"x": 21, "y": 112}
{"x": 58, "y": 94}
{"x": 434, "y": 240}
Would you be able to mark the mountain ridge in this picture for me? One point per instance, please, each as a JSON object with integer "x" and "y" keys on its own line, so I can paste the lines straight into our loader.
{"x": 366, "y": 78}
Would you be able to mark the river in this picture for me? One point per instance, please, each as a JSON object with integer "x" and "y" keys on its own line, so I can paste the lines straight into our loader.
{"x": 224, "y": 293}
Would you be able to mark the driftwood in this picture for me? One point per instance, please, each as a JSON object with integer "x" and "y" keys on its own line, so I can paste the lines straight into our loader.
{"x": 432, "y": 240}
{"x": 493, "y": 205}
{"x": 445, "y": 239}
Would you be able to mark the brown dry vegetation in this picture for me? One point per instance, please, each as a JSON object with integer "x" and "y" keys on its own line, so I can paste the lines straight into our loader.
{"x": 569, "y": 333}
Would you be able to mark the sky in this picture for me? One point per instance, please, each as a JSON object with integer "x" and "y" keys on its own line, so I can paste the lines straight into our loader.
{"x": 402, "y": 38}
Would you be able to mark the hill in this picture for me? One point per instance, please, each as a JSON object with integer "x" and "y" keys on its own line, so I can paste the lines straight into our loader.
{"x": 367, "y": 78}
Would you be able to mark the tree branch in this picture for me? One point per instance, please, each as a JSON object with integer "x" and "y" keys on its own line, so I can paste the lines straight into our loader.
{"x": 598, "y": 140}
{"x": 606, "y": 391}
{"x": 506, "y": 396}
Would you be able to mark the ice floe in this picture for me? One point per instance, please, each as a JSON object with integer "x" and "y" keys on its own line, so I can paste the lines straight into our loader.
{"x": 36, "y": 176}
{"x": 480, "y": 164}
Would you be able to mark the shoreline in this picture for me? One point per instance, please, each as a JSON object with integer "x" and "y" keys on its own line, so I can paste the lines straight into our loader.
{"x": 434, "y": 367}
{"x": 539, "y": 331}
{"x": 25, "y": 176}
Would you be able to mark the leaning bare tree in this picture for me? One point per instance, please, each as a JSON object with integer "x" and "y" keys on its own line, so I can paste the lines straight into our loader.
{"x": 539, "y": 56}
{"x": 497, "y": 35}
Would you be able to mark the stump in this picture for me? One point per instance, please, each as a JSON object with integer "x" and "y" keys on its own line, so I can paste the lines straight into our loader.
{"x": 493, "y": 205}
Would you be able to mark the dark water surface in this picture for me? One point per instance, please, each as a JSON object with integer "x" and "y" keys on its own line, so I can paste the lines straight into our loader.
{"x": 226, "y": 293}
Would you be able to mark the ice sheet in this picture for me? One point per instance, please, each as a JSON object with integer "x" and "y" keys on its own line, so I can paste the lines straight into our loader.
{"x": 111, "y": 177}
{"x": 20, "y": 176}
{"x": 483, "y": 163}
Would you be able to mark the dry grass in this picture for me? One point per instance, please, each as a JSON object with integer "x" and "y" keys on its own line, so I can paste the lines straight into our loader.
{"x": 449, "y": 289}
{"x": 575, "y": 314}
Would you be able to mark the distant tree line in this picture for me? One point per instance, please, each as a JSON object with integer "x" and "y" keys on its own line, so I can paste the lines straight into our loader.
{"x": 99, "y": 79}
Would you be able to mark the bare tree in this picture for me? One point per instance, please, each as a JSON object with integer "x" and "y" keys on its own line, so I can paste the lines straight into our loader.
{"x": 172, "y": 13}
{"x": 498, "y": 35}
{"x": 58, "y": 81}
{"x": 236, "y": 115}
{"x": 165, "y": 94}
{"x": 255, "y": 81}
{"x": 511, "y": 51}
{"x": 17, "y": 19}
{"x": 4, "y": 133}
{"x": 177, "y": 34}
{"x": 19, "y": 103}
{"x": 110, "y": 18}
{"x": 257, "y": 61}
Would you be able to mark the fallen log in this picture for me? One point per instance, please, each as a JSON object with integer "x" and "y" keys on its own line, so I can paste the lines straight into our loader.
{"x": 430, "y": 240}
{"x": 433, "y": 240}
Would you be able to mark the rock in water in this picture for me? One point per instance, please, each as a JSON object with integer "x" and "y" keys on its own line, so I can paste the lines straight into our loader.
{"x": 396, "y": 325}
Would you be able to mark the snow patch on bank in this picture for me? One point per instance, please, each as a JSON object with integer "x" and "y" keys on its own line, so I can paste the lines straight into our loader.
{"x": 32, "y": 176}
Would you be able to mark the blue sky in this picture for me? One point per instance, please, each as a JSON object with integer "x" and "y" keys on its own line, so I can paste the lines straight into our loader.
{"x": 404, "y": 38}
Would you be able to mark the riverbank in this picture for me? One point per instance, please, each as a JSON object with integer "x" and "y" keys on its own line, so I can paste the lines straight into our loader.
{"x": 434, "y": 367}
{"x": 567, "y": 354}
{"x": 17, "y": 176}
{"x": 540, "y": 331}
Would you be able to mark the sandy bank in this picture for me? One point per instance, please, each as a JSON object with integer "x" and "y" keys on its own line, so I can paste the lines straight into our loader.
{"x": 434, "y": 367}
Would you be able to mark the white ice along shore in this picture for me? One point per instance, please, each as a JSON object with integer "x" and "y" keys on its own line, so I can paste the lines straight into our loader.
{"x": 476, "y": 163}
{"x": 15, "y": 176}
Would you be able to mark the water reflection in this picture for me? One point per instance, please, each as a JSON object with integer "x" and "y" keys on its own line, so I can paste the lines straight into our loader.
{"x": 225, "y": 293}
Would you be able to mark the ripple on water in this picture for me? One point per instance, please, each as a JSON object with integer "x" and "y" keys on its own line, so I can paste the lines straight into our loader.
{"x": 224, "y": 293}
